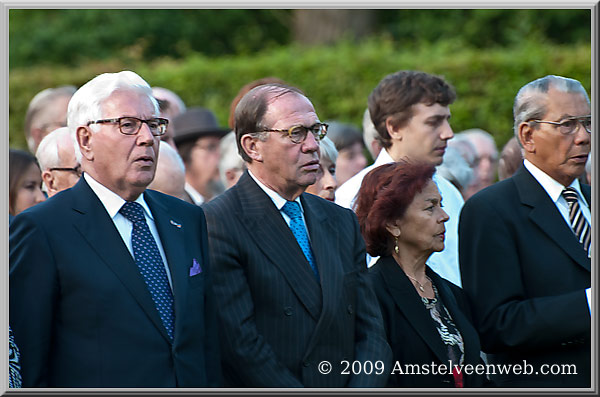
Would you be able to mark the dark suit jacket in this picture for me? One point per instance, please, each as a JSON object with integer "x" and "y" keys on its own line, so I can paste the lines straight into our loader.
{"x": 81, "y": 313}
{"x": 412, "y": 333}
{"x": 525, "y": 275}
{"x": 278, "y": 323}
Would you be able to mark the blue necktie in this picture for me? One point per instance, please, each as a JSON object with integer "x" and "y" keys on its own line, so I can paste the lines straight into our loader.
{"x": 148, "y": 259}
{"x": 292, "y": 209}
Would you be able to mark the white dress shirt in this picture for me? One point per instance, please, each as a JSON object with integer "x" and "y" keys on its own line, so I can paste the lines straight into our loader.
{"x": 112, "y": 203}
{"x": 554, "y": 190}
{"x": 280, "y": 202}
{"x": 196, "y": 197}
{"x": 444, "y": 263}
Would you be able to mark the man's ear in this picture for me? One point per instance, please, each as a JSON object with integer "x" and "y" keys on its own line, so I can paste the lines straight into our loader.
{"x": 252, "y": 146}
{"x": 526, "y": 137}
{"x": 395, "y": 132}
{"x": 84, "y": 138}
{"x": 48, "y": 179}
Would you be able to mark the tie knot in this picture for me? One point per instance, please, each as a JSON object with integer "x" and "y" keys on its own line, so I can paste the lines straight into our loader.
{"x": 292, "y": 209}
{"x": 570, "y": 195}
{"x": 133, "y": 212}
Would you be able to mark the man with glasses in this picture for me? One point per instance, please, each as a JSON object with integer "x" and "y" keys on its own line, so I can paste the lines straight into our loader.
{"x": 525, "y": 244}
{"x": 46, "y": 112}
{"x": 60, "y": 161}
{"x": 109, "y": 282}
{"x": 289, "y": 267}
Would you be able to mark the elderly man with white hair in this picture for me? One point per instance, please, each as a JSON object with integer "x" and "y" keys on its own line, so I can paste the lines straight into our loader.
{"x": 60, "y": 160}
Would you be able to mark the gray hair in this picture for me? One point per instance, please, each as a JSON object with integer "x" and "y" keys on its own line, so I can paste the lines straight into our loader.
{"x": 170, "y": 171}
{"x": 86, "y": 103}
{"x": 328, "y": 150}
{"x": 169, "y": 96}
{"x": 588, "y": 164}
{"x": 455, "y": 169}
{"x": 39, "y": 102}
{"x": 47, "y": 151}
{"x": 529, "y": 103}
{"x": 230, "y": 157}
{"x": 369, "y": 131}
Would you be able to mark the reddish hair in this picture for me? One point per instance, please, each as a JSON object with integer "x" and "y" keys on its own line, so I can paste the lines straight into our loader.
{"x": 385, "y": 194}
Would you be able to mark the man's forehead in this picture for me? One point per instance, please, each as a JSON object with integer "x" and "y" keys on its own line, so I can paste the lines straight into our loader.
{"x": 428, "y": 110}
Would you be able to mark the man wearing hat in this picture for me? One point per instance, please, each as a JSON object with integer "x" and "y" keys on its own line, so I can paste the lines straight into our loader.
{"x": 197, "y": 135}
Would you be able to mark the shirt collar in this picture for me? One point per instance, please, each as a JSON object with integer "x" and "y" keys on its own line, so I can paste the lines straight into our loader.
{"x": 383, "y": 158}
{"x": 112, "y": 201}
{"x": 275, "y": 197}
{"x": 551, "y": 186}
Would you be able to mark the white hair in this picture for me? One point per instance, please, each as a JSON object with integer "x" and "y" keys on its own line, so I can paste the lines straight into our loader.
{"x": 230, "y": 157}
{"x": 170, "y": 171}
{"x": 455, "y": 169}
{"x": 165, "y": 94}
{"x": 86, "y": 103}
{"x": 47, "y": 152}
{"x": 328, "y": 150}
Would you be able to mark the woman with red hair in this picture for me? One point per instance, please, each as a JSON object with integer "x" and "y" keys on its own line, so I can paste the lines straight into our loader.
{"x": 426, "y": 318}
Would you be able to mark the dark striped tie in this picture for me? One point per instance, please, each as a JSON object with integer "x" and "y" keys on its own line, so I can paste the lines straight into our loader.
{"x": 579, "y": 224}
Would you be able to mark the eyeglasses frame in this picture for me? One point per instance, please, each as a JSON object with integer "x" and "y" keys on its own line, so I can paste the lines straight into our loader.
{"x": 289, "y": 131}
{"x": 575, "y": 118}
{"x": 162, "y": 121}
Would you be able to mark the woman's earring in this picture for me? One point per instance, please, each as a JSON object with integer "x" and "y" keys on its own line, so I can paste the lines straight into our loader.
{"x": 396, "y": 244}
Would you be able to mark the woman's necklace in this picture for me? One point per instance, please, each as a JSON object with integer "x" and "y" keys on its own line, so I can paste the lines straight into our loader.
{"x": 421, "y": 286}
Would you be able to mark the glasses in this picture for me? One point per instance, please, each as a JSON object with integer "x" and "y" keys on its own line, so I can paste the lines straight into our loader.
{"x": 569, "y": 126}
{"x": 132, "y": 125}
{"x": 76, "y": 169}
{"x": 298, "y": 133}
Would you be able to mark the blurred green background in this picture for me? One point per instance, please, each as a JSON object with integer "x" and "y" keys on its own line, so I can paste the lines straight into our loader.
{"x": 335, "y": 56}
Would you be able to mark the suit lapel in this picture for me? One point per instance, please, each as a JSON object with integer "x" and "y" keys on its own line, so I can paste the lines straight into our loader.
{"x": 274, "y": 238}
{"x": 98, "y": 229}
{"x": 323, "y": 241}
{"x": 410, "y": 304}
{"x": 173, "y": 240}
{"x": 545, "y": 214}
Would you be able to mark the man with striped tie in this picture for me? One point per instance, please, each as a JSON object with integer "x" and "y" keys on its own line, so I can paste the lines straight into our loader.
{"x": 525, "y": 248}
{"x": 289, "y": 267}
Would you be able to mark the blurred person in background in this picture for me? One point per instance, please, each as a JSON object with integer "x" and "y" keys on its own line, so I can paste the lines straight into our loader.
{"x": 169, "y": 177}
{"x": 525, "y": 244}
{"x": 171, "y": 106}
{"x": 486, "y": 159}
{"x": 511, "y": 159}
{"x": 588, "y": 169}
{"x": 46, "y": 112}
{"x": 326, "y": 182}
{"x": 349, "y": 143}
{"x": 426, "y": 317}
{"x": 60, "y": 160}
{"x": 24, "y": 182}
{"x": 197, "y": 135}
{"x": 456, "y": 169}
{"x": 370, "y": 135}
{"x": 231, "y": 164}
{"x": 410, "y": 110}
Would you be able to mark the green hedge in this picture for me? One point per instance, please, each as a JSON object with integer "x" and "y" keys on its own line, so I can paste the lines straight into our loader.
{"x": 337, "y": 78}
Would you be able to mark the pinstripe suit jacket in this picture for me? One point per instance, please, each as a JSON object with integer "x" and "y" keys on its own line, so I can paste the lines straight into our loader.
{"x": 278, "y": 323}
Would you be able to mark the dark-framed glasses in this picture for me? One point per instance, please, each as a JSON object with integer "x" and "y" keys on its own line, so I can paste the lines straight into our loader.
{"x": 132, "y": 125}
{"x": 298, "y": 133}
{"x": 77, "y": 169}
{"x": 569, "y": 125}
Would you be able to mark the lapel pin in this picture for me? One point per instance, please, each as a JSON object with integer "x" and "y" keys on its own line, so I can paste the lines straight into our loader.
{"x": 177, "y": 225}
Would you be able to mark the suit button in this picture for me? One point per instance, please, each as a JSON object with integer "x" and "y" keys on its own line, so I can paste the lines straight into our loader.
{"x": 288, "y": 311}
{"x": 305, "y": 363}
{"x": 350, "y": 309}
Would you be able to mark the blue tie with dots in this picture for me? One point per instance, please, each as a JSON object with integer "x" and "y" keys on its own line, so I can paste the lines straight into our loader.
{"x": 292, "y": 209}
{"x": 148, "y": 259}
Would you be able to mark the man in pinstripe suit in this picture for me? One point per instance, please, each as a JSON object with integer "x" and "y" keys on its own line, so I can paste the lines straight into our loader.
{"x": 291, "y": 285}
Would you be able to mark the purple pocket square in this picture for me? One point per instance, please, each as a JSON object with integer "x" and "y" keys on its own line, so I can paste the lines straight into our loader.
{"x": 195, "y": 269}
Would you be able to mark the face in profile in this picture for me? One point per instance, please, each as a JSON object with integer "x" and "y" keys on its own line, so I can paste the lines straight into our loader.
{"x": 326, "y": 184}
{"x": 422, "y": 229}
{"x": 29, "y": 192}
